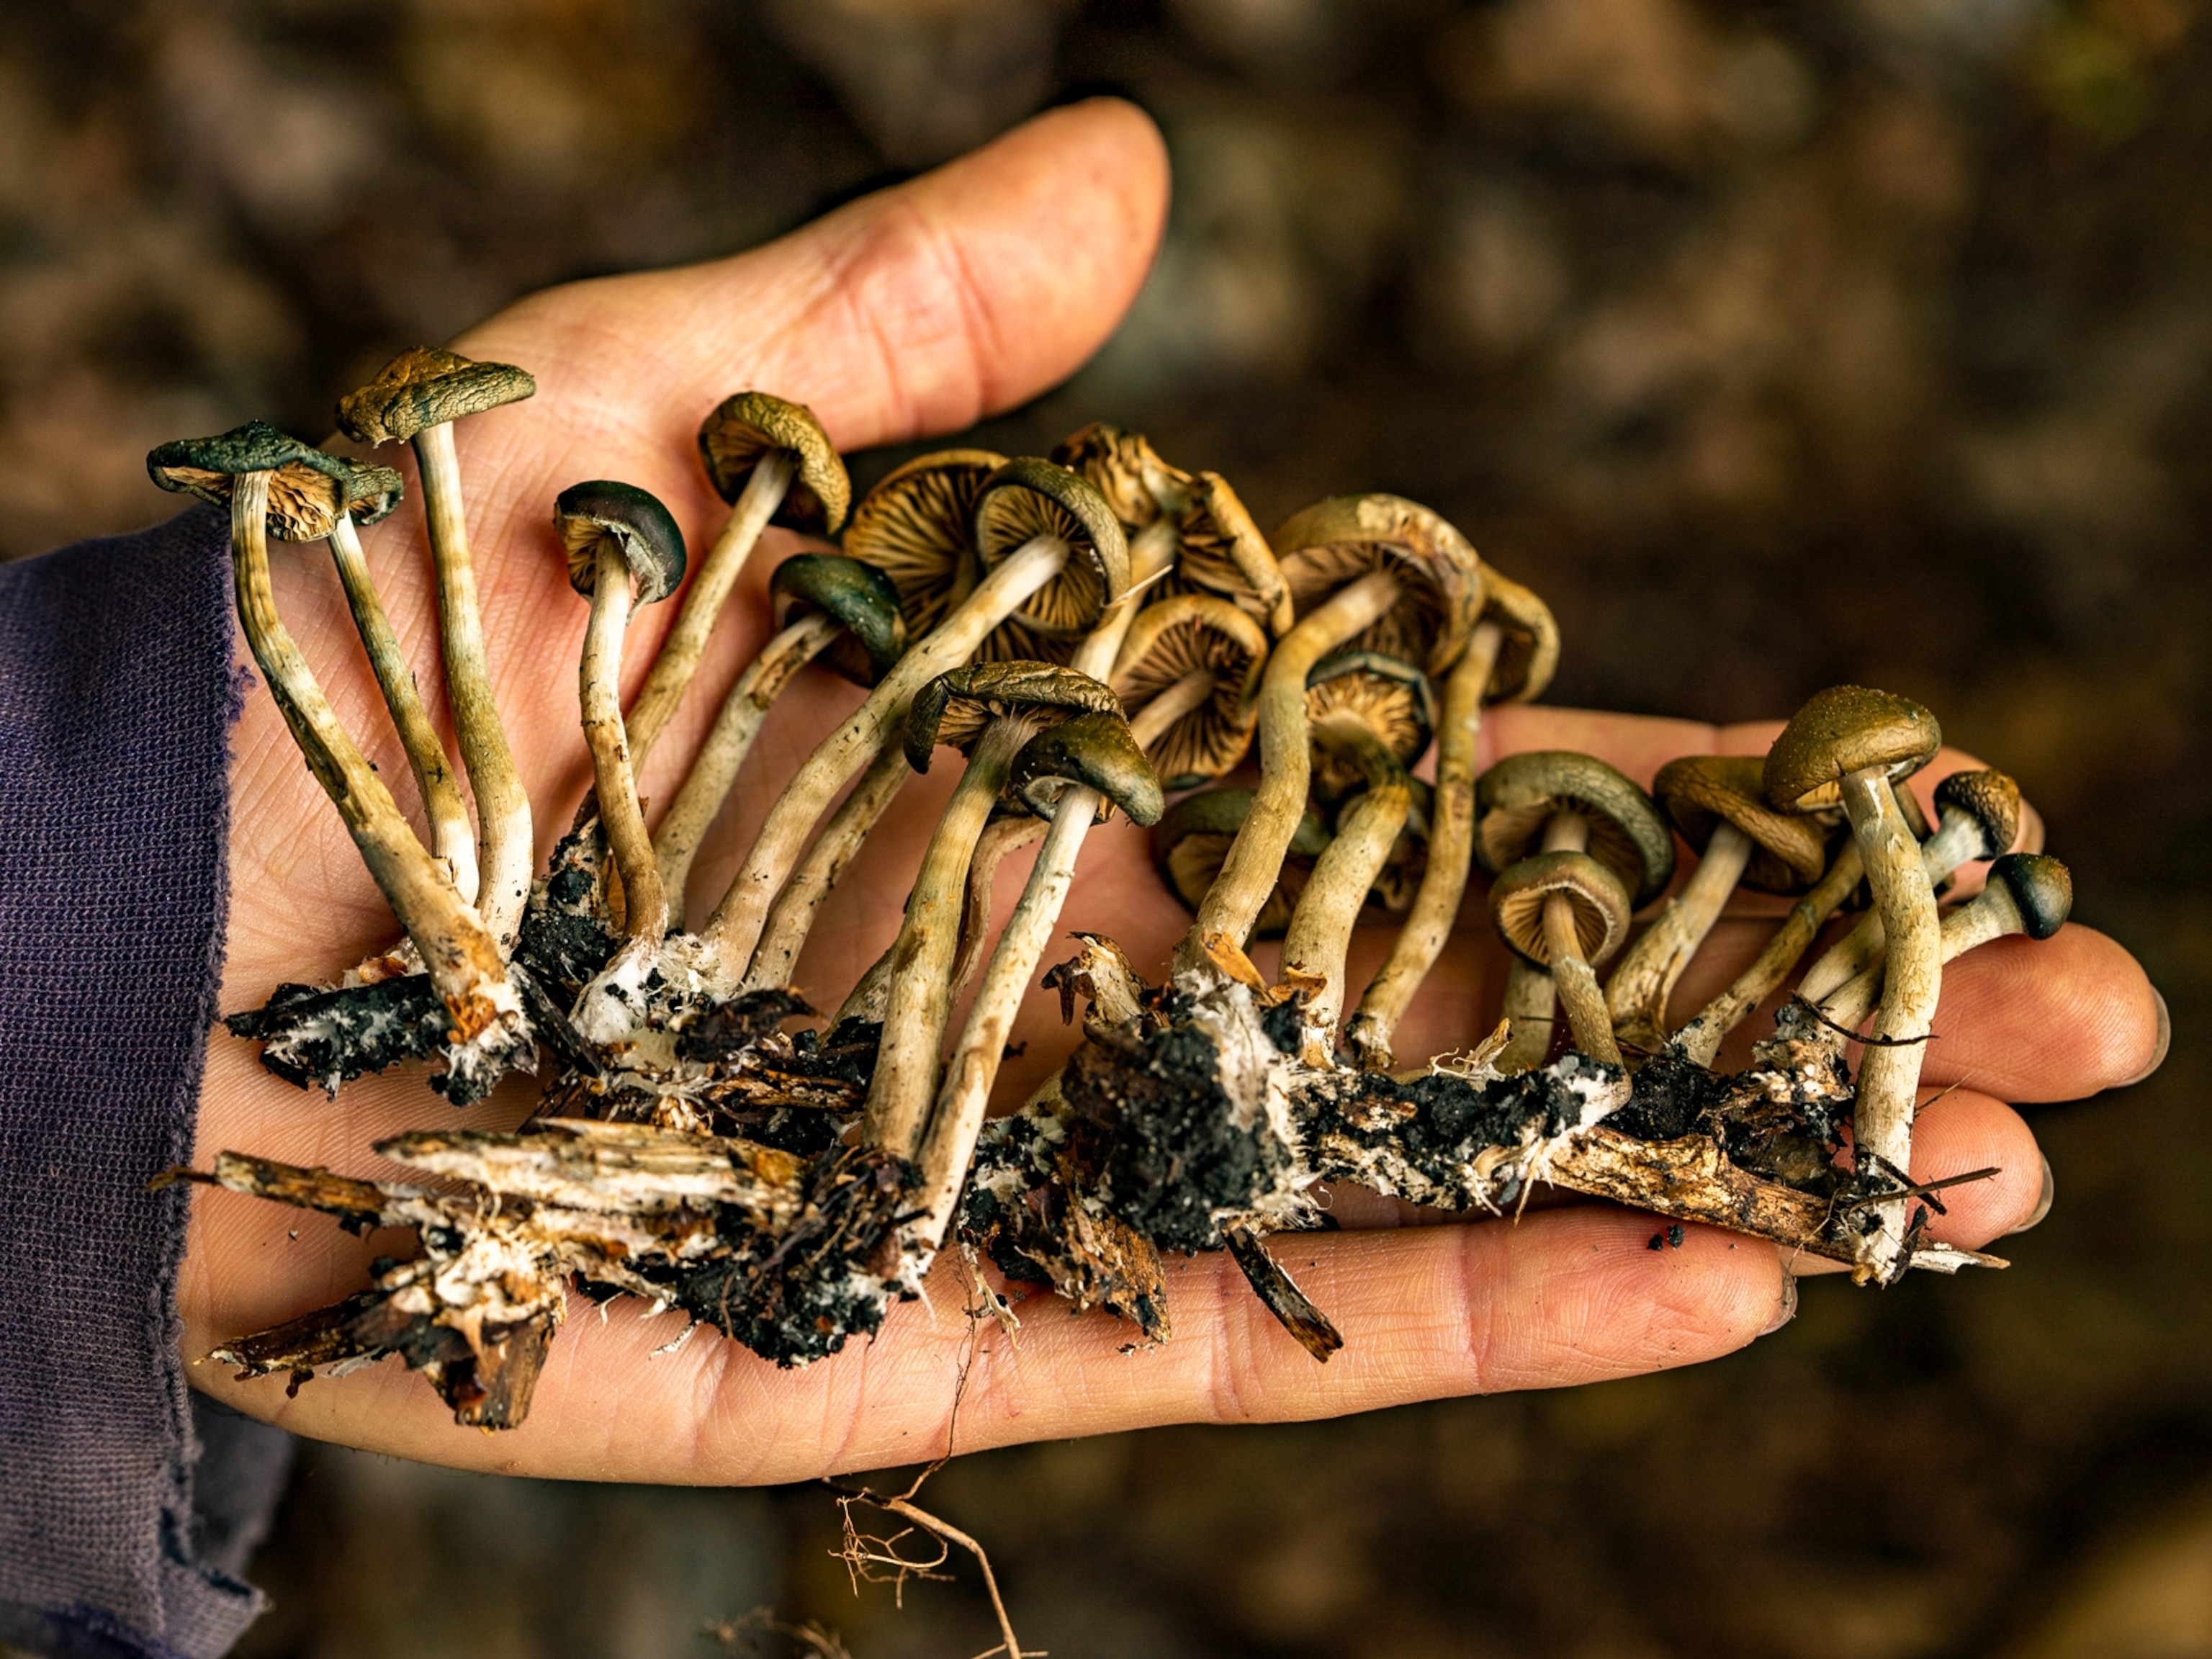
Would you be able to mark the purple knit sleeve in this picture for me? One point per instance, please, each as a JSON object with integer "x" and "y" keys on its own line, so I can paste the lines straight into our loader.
{"x": 117, "y": 699}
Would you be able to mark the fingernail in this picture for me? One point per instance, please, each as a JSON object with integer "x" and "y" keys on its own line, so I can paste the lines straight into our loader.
{"x": 2042, "y": 1201}
{"x": 2165, "y": 1038}
{"x": 1787, "y": 1309}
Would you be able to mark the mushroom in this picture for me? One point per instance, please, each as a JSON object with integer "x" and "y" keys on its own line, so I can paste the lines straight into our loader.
{"x": 417, "y": 396}
{"x": 1192, "y": 839}
{"x": 1978, "y": 816}
{"x": 1566, "y": 835}
{"x": 1851, "y": 744}
{"x": 989, "y": 711}
{"x": 1509, "y": 657}
{"x": 1375, "y": 569}
{"x": 1718, "y": 807}
{"x": 773, "y": 464}
{"x": 826, "y": 606}
{"x": 624, "y": 550}
{"x": 1073, "y": 556}
{"x": 1370, "y": 717}
{"x": 272, "y": 481}
{"x": 1072, "y": 774}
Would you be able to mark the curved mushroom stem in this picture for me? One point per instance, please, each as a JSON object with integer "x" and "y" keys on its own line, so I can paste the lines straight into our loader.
{"x": 826, "y": 861}
{"x": 677, "y": 659}
{"x": 1451, "y": 852}
{"x": 1571, "y": 974}
{"x": 1248, "y": 875}
{"x": 920, "y": 1000}
{"x": 1912, "y": 981}
{"x": 1957, "y": 840}
{"x": 720, "y": 759}
{"x": 1637, "y": 994}
{"x": 1700, "y": 1040}
{"x": 1530, "y": 1011}
{"x": 726, "y": 945}
{"x": 505, "y": 850}
{"x": 1993, "y": 914}
{"x": 1320, "y": 934}
{"x": 462, "y": 958}
{"x": 453, "y": 837}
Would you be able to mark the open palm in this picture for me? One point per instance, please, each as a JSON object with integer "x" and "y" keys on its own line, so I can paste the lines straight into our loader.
{"x": 915, "y": 311}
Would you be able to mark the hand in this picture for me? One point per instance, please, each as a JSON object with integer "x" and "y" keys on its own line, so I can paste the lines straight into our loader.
{"x": 913, "y": 311}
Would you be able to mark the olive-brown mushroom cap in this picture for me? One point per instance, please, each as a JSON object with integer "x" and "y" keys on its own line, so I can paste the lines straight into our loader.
{"x": 1602, "y": 904}
{"x": 2042, "y": 890}
{"x": 1030, "y": 497}
{"x": 1389, "y": 696}
{"x": 1702, "y": 792}
{"x": 1515, "y": 798}
{"x": 307, "y": 488}
{"x": 918, "y": 527}
{"x": 1192, "y": 839}
{"x": 1530, "y": 653}
{"x": 1991, "y": 799}
{"x": 373, "y": 493}
{"x": 958, "y": 707}
{"x": 425, "y": 386}
{"x": 857, "y": 594}
{"x": 1840, "y": 731}
{"x": 1096, "y": 750}
{"x": 1336, "y": 542}
{"x": 1180, "y": 636}
{"x": 590, "y": 515}
{"x": 748, "y": 425}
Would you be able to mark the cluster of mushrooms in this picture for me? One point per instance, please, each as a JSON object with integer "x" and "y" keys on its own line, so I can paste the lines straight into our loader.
{"x": 1095, "y": 633}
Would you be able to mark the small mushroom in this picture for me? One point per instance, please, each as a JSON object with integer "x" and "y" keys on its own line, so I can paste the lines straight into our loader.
{"x": 1978, "y": 816}
{"x": 1074, "y": 528}
{"x": 1549, "y": 802}
{"x": 1853, "y": 744}
{"x": 272, "y": 481}
{"x": 417, "y": 396}
{"x": 1718, "y": 807}
{"x": 1509, "y": 657}
{"x": 773, "y": 464}
{"x": 989, "y": 711}
{"x": 1192, "y": 838}
{"x": 624, "y": 550}
{"x": 838, "y": 609}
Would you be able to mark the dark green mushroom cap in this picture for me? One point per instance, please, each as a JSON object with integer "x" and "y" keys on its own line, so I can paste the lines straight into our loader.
{"x": 1391, "y": 698}
{"x": 373, "y": 493}
{"x": 1515, "y": 799}
{"x": 1095, "y": 750}
{"x": 2042, "y": 890}
{"x": 751, "y": 424}
{"x": 307, "y": 488}
{"x": 858, "y": 595}
{"x": 423, "y": 386}
{"x": 1192, "y": 839}
{"x": 1840, "y": 731}
{"x": 604, "y": 510}
{"x": 1991, "y": 799}
{"x": 957, "y": 707}
{"x": 1030, "y": 497}
{"x": 1700, "y": 792}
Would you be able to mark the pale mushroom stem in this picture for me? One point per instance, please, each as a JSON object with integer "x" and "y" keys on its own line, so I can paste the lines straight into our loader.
{"x": 645, "y": 902}
{"x": 1530, "y": 1011}
{"x": 452, "y": 836}
{"x": 731, "y": 933}
{"x": 793, "y": 917}
{"x": 1958, "y": 838}
{"x": 462, "y": 958}
{"x": 1993, "y": 914}
{"x": 720, "y": 759}
{"x": 1319, "y": 937}
{"x": 1571, "y": 973}
{"x": 505, "y": 850}
{"x": 1421, "y": 938}
{"x": 1700, "y": 1040}
{"x": 1151, "y": 552}
{"x": 677, "y": 659}
{"x": 1912, "y": 981}
{"x": 921, "y": 1001}
{"x": 1637, "y": 994}
{"x": 1233, "y": 904}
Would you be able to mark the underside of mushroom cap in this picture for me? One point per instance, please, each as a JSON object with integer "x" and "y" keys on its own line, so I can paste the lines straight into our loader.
{"x": 307, "y": 488}
{"x": 1530, "y": 653}
{"x": 1188, "y": 634}
{"x": 746, "y": 426}
{"x": 1991, "y": 799}
{"x": 1702, "y": 792}
{"x": 1095, "y": 750}
{"x": 1387, "y": 695}
{"x": 1192, "y": 838}
{"x": 606, "y": 510}
{"x": 373, "y": 493}
{"x": 957, "y": 707}
{"x": 1515, "y": 798}
{"x": 857, "y": 594}
{"x": 2042, "y": 888}
{"x": 1602, "y": 904}
{"x": 1137, "y": 484}
{"x": 1336, "y": 542}
{"x": 918, "y": 527}
{"x": 1030, "y": 497}
{"x": 1842, "y": 730}
{"x": 424, "y": 387}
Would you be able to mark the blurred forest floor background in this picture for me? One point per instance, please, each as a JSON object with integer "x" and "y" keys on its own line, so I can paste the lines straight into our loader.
{"x": 1775, "y": 344}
